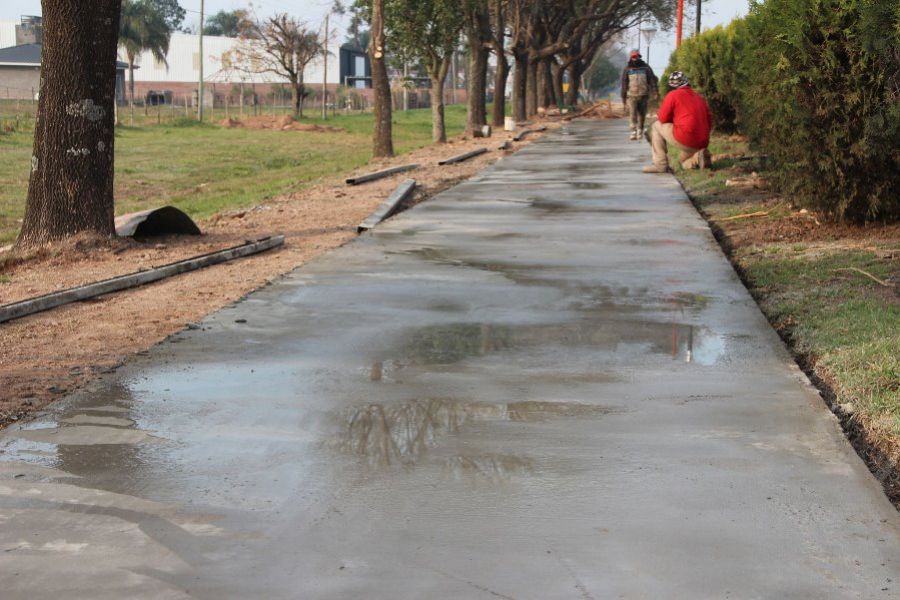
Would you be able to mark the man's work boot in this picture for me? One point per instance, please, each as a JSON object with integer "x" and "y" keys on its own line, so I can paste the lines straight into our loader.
{"x": 704, "y": 161}
{"x": 655, "y": 169}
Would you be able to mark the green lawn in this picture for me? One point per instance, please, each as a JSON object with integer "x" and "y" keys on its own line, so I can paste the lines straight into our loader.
{"x": 203, "y": 169}
{"x": 844, "y": 324}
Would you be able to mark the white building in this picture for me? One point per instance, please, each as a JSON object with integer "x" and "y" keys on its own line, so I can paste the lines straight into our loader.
{"x": 181, "y": 70}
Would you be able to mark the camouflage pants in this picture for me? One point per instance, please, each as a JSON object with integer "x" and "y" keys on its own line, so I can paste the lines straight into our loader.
{"x": 637, "y": 108}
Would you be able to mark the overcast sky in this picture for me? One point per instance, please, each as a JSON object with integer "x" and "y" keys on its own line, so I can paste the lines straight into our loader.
{"x": 313, "y": 11}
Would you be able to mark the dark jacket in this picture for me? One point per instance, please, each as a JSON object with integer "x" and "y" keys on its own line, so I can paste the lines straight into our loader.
{"x": 652, "y": 80}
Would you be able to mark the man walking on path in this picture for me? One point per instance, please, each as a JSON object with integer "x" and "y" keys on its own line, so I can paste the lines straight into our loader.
{"x": 638, "y": 83}
{"x": 685, "y": 121}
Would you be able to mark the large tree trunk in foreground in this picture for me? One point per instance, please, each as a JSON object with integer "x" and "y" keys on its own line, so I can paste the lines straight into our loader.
{"x": 383, "y": 138}
{"x": 71, "y": 185}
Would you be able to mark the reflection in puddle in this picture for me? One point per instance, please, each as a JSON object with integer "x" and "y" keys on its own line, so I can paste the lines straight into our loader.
{"x": 447, "y": 344}
{"x": 493, "y": 467}
{"x": 401, "y": 434}
{"x": 455, "y": 342}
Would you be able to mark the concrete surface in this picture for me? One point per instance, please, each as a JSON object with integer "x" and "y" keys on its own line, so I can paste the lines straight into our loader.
{"x": 545, "y": 383}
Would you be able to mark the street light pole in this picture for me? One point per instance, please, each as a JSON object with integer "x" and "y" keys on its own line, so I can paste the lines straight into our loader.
{"x": 697, "y": 23}
{"x": 200, "y": 94}
{"x": 325, "y": 76}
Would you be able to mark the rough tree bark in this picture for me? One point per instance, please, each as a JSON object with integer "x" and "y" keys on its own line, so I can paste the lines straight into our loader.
{"x": 438, "y": 78}
{"x": 478, "y": 33}
{"x": 531, "y": 89}
{"x": 520, "y": 86}
{"x": 383, "y": 138}
{"x": 71, "y": 186}
{"x": 557, "y": 82}
{"x": 576, "y": 70}
{"x": 501, "y": 75}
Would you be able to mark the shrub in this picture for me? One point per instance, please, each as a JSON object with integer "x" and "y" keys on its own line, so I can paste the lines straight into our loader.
{"x": 823, "y": 102}
{"x": 713, "y": 62}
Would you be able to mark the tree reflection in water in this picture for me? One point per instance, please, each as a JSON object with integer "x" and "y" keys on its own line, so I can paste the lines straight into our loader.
{"x": 402, "y": 434}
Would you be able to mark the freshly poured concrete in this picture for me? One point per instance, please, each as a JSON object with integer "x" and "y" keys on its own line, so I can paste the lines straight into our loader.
{"x": 545, "y": 383}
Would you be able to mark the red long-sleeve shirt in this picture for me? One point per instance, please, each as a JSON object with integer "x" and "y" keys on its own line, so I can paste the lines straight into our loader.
{"x": 690, "y": 116}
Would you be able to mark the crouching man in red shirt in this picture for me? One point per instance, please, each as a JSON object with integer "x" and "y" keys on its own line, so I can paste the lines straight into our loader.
{"x": 685, "y": 122}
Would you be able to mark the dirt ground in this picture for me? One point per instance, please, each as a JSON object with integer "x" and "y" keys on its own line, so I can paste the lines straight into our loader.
{"x": 50, "y": 354}
{"x": 283, "y": 123}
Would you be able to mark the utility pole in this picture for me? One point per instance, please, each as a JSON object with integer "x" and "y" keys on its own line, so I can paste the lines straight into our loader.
{"x": 200, "y": 95}
{"x": 697, "y": 24}
{"x": 325, "y": 75}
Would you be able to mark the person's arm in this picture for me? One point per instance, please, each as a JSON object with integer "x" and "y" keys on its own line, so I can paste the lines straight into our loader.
{"x": 667, "y": 110}
{"x": 624, "y": 84}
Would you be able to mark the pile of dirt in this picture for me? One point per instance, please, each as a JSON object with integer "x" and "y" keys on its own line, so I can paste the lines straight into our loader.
{"x": 604, "y": 109}
{"x": 49, "y": 354}
{"x": 277, "y": 123}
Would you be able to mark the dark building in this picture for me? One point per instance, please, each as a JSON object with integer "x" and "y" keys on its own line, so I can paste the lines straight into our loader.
{"x": 356, "y": 69}
{"x": 20, "y": 73}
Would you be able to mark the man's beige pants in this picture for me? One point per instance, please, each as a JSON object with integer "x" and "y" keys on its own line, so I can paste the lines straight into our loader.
{"x": 663, "y": 134}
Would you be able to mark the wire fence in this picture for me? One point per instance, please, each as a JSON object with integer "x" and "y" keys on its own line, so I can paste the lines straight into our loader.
{"x": 18, "y": 106}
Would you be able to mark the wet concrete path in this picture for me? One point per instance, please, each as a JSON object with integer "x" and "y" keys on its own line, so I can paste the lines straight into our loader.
{"x": 545, "y": 383}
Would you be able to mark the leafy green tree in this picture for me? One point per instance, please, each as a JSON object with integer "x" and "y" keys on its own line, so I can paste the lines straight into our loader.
{"x": 143, "y": 27}
{"x": 714, "y": 63}
{"x": 225, "y": 23}
{"x": 427, "y": 31}
{"x": 171, "y": 11}
{"x": 602, "y": 75}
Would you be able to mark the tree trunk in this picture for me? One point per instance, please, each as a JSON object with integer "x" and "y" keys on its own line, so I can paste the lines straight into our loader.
{"x": 500, "y": 78}
{"x": 477, "y": 85}
{"x": 559, "y": 73}
{"x": 295, "y": 98}
{"x": 438, "y": 131}
{"x": 520, "y": 87}
{"x": 546, "y": 95}
{"x": 383, "y": 140}
{"x": 71, "y": 186}
{"x": 575, "y": 72}
{"x": 531, "y": 89}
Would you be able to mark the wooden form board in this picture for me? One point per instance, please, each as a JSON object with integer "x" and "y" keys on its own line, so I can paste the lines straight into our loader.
{"x": 31, "y": 306}
{"x": 389, "y": 206}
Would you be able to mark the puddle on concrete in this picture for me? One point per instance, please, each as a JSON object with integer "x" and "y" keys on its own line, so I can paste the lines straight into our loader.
{"x": 402, "y": 434}
{"x": 438, "y": 345}
{"x": 447, "y": 344}
{"x": 91, "y": 419}
{"x": 87, "y": 435}
{"x": 496, "y": 468}
{"x": 552, "y": 207}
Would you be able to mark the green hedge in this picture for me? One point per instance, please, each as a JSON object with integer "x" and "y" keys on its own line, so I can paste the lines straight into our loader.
{"x": 816, "y": 86}
{"x": 714, "y": 64}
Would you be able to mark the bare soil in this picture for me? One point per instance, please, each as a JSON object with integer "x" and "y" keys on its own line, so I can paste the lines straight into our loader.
{"x": 280, "y": 123}
{"x": 49, "y": 354}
